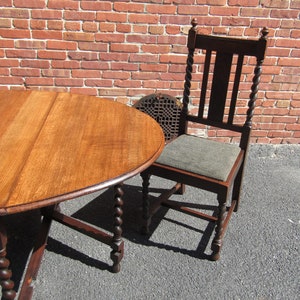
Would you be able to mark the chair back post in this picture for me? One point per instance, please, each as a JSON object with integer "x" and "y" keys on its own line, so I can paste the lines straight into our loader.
{"x": 254, "y": 88}
{"x": 188, "y": 74}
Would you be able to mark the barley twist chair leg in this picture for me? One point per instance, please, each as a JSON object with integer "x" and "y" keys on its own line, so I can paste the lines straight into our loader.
{"x": 218, "y": 239}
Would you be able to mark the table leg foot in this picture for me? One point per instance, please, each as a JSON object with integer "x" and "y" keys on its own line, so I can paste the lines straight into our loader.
{"x": 6, "y": 283}
{"x": 117, "y": 243}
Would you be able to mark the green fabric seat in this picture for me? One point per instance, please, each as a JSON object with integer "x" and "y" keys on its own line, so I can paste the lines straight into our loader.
{"x": 200, "y": 156}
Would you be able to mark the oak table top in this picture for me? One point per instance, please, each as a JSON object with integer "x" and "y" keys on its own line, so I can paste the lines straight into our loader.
{"x": 58, "y": 146}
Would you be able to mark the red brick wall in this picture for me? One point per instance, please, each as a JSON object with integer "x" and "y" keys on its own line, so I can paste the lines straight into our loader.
{"x": 126, "y": 49}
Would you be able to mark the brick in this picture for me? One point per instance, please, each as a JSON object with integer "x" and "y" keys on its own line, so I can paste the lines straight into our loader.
{"x": 116, "y": 38}
{"x": 143, "y": 18}
{"x": 94, "y": 65}
{"x": 47, "y": 34}
{"x": 78, "y": 55}
{"x": 38, "y": 24}
{"x": 224, "y": 11}
{"x": 48, "y": 54}
{"x": 129, "y": 7}
{"x": 15, "y": 33}
{"x": 194, "y": 10}
{"x": 39, "y": 81}
{"x": 30, "y": 3}
{"x": 295, "y": 4}
{"x": 96, "y": 5}
{"x": 89, "y": 46}
{"x": 72, "y": 26}
{"x": 125, "y": 28}
{"x": 128, "y": 48}
{"x": 145, "y": 76}
{"x": 30, "y": 44}
{"x": 86, "y": 73}
{"x": 141, "y": 39}
{"x": 292, "y": 62}
{"x": 63, "y": 4}
{"x": 125, "y": 66}
{"x": 14, "y": 13}
{"x": 55, "y": 25}
{"x": 154, "y": 67}
{"x": 156, "y": 29}
{"x": 156, "y": 49}
{"x": 172, "y": 40}
{"x": 10, "y": 80}
{"x": 79, "y": 16}
{"x": 84, "y": 91}
{"x": 128, "y": 84}
{"x": 139, "y": 28}
{"x": 116, "y": 75}
{"x": 56, "y": 73}
{"x": 275, "y": 3}
{"x": 172, "y": 29}
{"x": 254, "y": 12}
{"x": 7, "y": 3}
{"x": 5, "y": 23}
{"x": 78, "y": 36}
{"x": 6, "y": 43}
{"x": 47, "y": 14}
{"x": 153, "y": 58}
{"x": 112, "y": 92}
{"x": 179, "y": 20}
{"x": 90, "y": 26}
{"x": 107, "y": 27}
{"x": 156, "y": 84}
{"x": 20, "y": 53}
{"x": 284, "y": 14}
{"x": 114, "y": 57}
{"x": 40, "y": 64}
{"x": 68, "y": 82}
{"x": 243, "y": 2}
{"x": 56, "y": 64}
{"x": 111, "y": 17}
{"x": 172, "y": 58}
{"x": 161, "y": 9}
{"x": 99, "y": 82}
{"x": 61, "y": 45}
{"x": 25, "y": 72}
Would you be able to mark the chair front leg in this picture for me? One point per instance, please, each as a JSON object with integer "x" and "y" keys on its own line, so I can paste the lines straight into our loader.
{"x": 146, "y": 218}
{"x": 218, "y": 239}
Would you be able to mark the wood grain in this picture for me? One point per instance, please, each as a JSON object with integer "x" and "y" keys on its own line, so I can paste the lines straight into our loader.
{"x": 56, "y": 146}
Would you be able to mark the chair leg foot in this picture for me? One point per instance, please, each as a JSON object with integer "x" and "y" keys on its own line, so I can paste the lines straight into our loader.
{"x": 181, "y": 190}
{"x": 215, "y": 256}
{"x": 145, "y": 226}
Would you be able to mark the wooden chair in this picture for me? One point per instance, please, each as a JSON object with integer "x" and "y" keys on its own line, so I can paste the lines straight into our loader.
{"x": 204, "y": 163}
{"x": 166, "y": 110}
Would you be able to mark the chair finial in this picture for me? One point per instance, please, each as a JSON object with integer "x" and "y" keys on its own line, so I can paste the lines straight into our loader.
{"x": 194, "y": 23}
{"x": 264, "y": 32}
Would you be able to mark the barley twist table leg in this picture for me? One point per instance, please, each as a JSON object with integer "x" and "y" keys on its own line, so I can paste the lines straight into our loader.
{"x": 117, "y": 242}
{"x": 5, "y": 274}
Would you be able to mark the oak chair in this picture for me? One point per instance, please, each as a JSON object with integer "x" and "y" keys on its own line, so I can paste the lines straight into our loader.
{"x": 211, "y": 164}
{"x": 166, "y": 110}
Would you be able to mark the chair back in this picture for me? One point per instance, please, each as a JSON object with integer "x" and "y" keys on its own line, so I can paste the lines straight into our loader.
{"x": 166, "y": 110}
{"x": 224, "y": 67}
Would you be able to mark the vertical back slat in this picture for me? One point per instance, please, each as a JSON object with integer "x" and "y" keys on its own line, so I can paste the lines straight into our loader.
{"x": 235, "y": 89}
{"x": 219, "y": 88}
{"x": 204, "y": 83}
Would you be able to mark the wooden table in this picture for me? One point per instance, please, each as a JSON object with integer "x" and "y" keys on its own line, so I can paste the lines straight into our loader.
{"x": 58, "y": 146}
